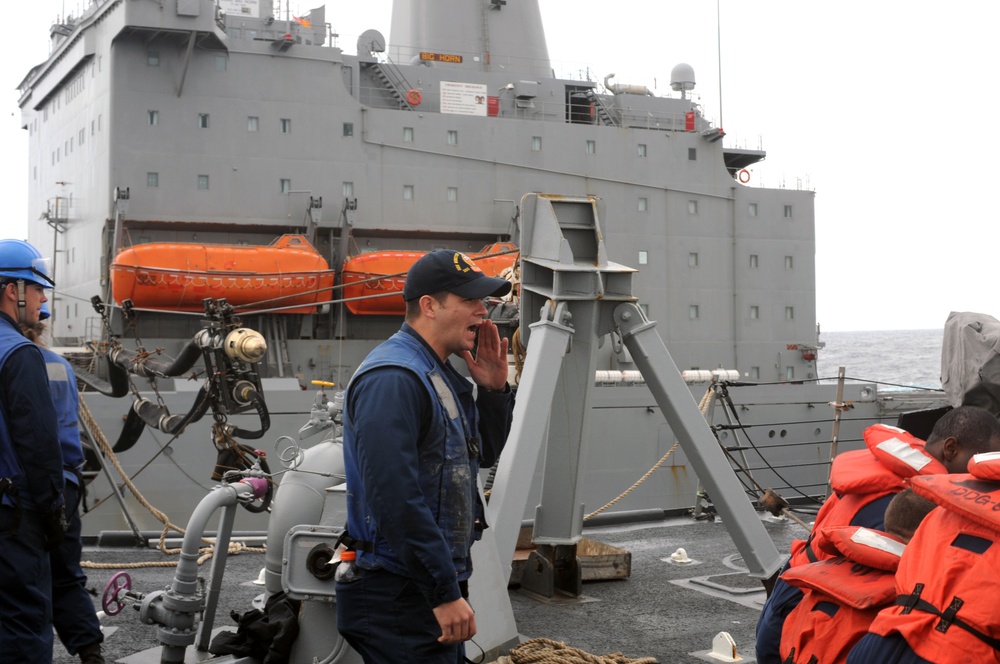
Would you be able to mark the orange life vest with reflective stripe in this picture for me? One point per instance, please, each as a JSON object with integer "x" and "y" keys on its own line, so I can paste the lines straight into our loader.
{"x": 842, "y": 595}
{"x": 860, "y": 477}
{"x": 948, "y": 580}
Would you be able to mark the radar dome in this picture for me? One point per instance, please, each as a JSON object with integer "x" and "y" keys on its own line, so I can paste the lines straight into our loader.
{"x": 682, "y": 77}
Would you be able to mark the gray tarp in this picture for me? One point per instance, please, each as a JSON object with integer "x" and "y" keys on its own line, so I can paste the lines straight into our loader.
{"x": 970, "y": 361}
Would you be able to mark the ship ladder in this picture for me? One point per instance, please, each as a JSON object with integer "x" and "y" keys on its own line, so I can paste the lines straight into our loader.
{"x": 394, "y": 83}
{"x": 605, "y": 115}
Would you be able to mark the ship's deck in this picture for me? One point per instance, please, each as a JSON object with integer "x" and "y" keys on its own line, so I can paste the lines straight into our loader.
{"x": 665, "y": 610}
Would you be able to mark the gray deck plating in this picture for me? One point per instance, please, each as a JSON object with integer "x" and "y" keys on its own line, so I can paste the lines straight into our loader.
{"x": 664, "y": 610}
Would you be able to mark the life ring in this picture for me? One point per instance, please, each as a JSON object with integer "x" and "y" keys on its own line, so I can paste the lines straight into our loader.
{"x": 744, "y": 175}
{"x": 413, "y": 97}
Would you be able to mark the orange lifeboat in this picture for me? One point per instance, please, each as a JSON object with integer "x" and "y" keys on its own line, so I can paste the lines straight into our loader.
{"x": 177, "y": 276}
{"x": 373, "y": 282}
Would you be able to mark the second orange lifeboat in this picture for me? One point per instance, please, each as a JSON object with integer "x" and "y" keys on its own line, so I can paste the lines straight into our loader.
{"x": 177, "y": 276}
{"x": 373, "y": 282}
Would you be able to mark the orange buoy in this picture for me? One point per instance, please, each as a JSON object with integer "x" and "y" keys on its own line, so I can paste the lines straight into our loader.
{"x": 413, "y": 97}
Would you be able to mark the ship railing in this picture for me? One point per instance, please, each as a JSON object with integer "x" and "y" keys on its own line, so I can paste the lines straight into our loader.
{"x": 548, "y": 111}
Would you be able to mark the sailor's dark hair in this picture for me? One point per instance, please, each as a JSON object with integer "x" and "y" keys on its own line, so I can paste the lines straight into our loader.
{"x": 974, "y": 428}
{"x": 905, "y": 512}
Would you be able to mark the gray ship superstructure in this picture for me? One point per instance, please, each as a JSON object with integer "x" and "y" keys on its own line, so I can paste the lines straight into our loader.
{"x": 222, "y": 122}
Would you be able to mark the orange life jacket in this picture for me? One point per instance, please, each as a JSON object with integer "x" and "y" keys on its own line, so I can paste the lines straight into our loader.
{"x": 860, "y": 477}
{"x": 947, "y": 580}
{"x": 842, "y": 595}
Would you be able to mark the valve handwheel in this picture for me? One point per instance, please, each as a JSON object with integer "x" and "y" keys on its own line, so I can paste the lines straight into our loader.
{"x": 113, "y": 601}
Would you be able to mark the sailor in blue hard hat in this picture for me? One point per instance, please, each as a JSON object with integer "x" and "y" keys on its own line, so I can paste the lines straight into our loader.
{"x": 24, "y": 266}
{"x": 32, "y": 519}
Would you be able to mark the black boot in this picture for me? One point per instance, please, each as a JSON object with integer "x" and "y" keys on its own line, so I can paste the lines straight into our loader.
{"x": 91, "y": 654}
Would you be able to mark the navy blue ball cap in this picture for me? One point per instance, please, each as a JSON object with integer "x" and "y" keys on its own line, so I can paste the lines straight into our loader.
{"x": 454, "y": 272}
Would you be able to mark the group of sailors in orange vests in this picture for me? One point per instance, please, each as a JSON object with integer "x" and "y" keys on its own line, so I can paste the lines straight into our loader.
{"x": 900, "y": 565}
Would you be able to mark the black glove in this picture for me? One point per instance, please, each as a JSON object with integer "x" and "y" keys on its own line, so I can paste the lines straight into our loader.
{"x": 54, "y": 526}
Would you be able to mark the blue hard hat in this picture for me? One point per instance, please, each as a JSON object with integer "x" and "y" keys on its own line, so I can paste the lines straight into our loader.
{"x": 20, "y": 260}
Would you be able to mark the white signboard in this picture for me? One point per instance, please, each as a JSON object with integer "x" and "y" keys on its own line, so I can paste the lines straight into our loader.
{"x": 463, "y": 98}
{"x": 249, "y": 8}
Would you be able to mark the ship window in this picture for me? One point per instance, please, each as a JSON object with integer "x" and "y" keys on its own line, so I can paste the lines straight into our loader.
{"x": 641, "y": 149}
{"x": 286, "y": 125}
{"x": 348, "y": 129}
{"x": 752, "y": 210}
{"x": 348, "y": 189}
{"x": 82, "y": 135}
{"x": 536, "y": 143}
{"x": 286, "y": 185}
{"x": 152, "y": 179}
{"x": 407, "y": 192}
{"x": 153, "y": 58}
{"x": 790, "y": 373}
{"x": 92, "y": 125}
{"x": 643, "y": 257}
{"x": 591, "y": 147}
{"x": 203, "y": 182}
{"x": 692, "y": 207}
{"x": 452, "y": 137}
{"x": 221, "y": 63}
{"x": 693, "y": 312}
{"x": 407, "y": 134}
{"x": 753, "y": 261}
{"x": 789, "y": 313}
{"x": 253, "y": 123}
{"x": 692, "y": 154}
{"x": 153, "y": 117}
{"x": 34, "y": 173}
{"x": 754, "y": 312}
{"x": 788, "y": 262}
{"x": 452, "y": 194}
{"x": 203, "y": 120}
{"x": 693, "y": 259}
{"x": 643, "y": 204}
{"x": 754, "y": 373}
{"x": 788, "y": 212}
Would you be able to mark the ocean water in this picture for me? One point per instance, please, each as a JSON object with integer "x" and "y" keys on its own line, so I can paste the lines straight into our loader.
{"x": 903, "y": 358}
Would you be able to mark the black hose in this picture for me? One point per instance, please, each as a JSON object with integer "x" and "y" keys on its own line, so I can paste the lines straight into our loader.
{"x": 151, "y": 366}
{"x": 159, "y": 417}
{"x": 257, "y": 400}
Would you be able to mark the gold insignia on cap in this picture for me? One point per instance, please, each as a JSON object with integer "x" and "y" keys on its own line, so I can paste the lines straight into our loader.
{"x": 464, "y": 264}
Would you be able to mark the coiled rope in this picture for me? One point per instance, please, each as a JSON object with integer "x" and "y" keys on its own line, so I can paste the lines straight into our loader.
{"x": 207, "y": 552}
{"x": 536, "y": 651}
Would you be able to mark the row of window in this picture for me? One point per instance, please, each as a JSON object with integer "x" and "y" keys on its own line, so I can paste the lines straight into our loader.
{"x": 69, "y": 91}
{"x": 694, "y": 312}
{"x": 693, "y": 260}
{"x": 253, "y": 122}
{"x": 253, "y": 125}
{"x": 153, "y": 60}
{"x": 285, "y": 186}
{"x": 72, "y": 142}
{"x": 643, "y": 206}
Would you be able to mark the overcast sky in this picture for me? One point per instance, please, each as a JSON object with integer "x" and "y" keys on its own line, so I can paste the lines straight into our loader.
{"x": 885, "y": 109}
